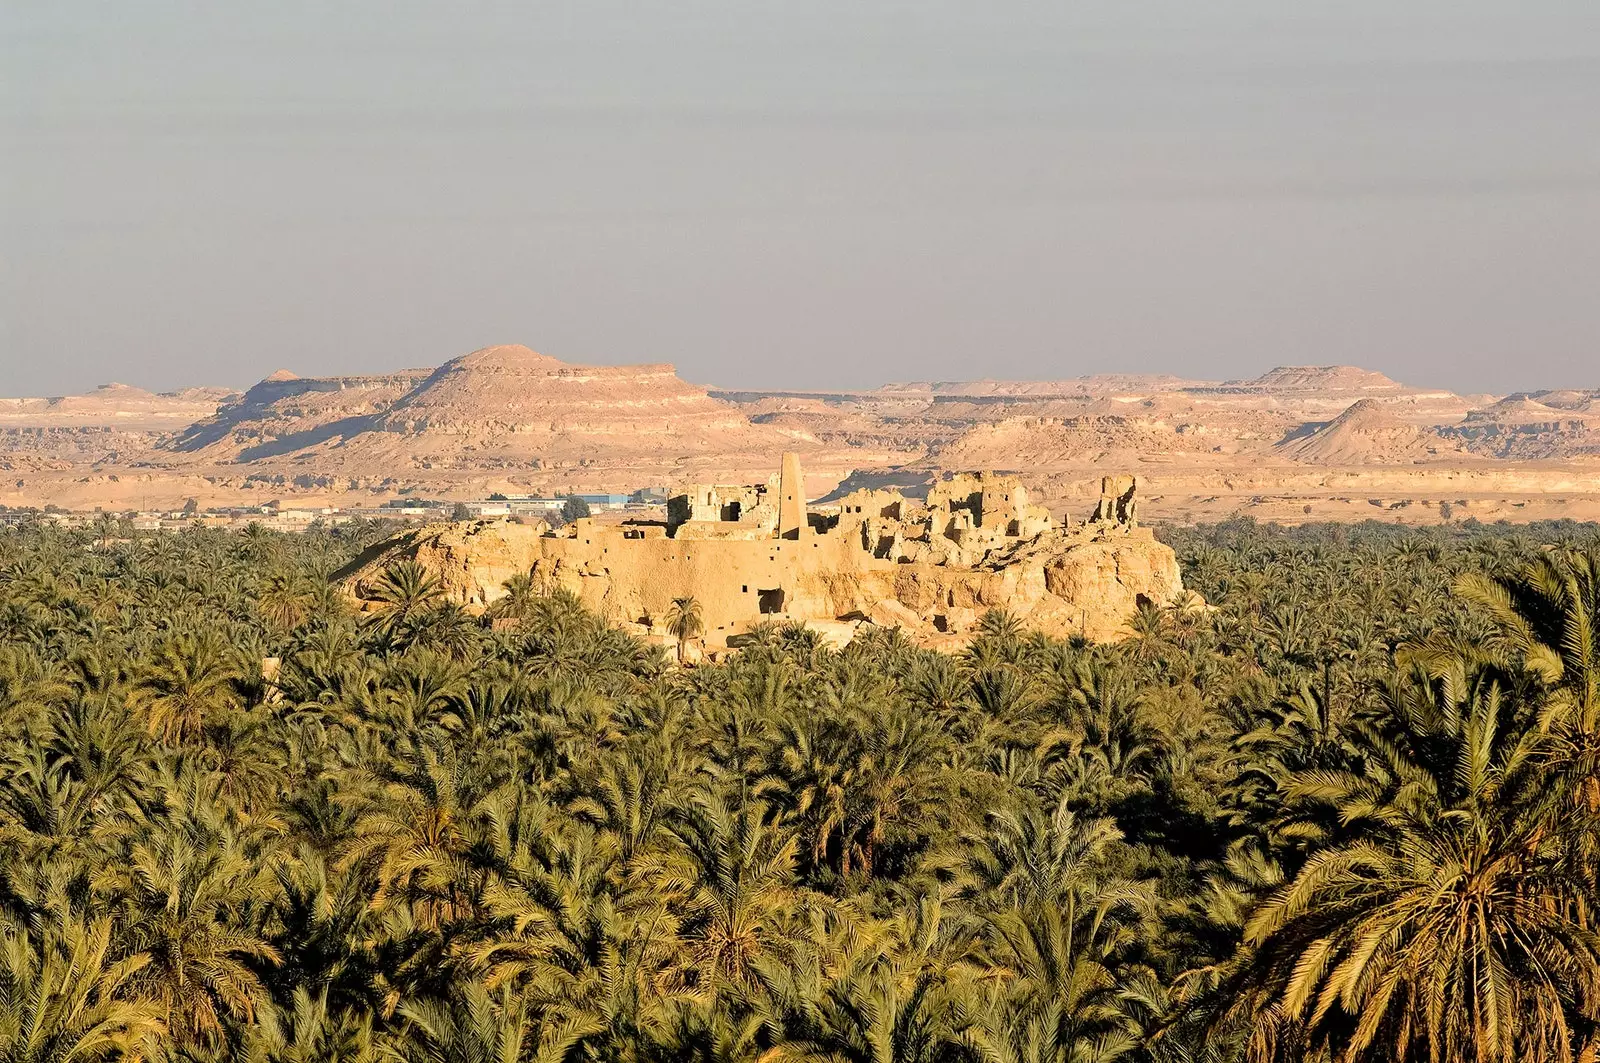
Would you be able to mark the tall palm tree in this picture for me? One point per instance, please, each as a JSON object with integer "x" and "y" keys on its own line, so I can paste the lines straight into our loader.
{"x": 405, "y": 591}
{"x": 310, "y": 1031}
{"x": 285, "y": 600}
{"x": 448, "y": 629}
{"x": 859, "y": 779}
{"x": 522, "y": 591}
{"x": 880, "y": 1010}
{"x": 1057, "y": 923}
{"x": 1547, "y": 616}
{"x": 1546, "y": 619}
{"x": 1105, "y": 712}
{"x": 631, "y": 798}
{"x": 420, "y": 832}
{"x": 580, "y": 953}
{"x": 1297, "y": 732}
{"x": 684, "y": 622}
{"x": 476, "y": 1026}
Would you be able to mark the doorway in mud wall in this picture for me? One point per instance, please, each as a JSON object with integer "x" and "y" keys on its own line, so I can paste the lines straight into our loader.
{"x": 770, "y": 601}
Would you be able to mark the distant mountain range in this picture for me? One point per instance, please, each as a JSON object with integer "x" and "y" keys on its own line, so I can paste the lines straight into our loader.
{"x": 1295, "y": 442}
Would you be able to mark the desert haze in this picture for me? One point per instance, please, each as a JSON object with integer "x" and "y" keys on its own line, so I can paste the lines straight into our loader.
{"x": 1293, "y": 444}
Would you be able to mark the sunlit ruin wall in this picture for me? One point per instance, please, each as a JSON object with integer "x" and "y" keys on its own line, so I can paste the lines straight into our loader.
{"x": 755, "y": 553}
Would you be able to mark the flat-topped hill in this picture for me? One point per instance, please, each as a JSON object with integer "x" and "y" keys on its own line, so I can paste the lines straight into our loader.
{"x": 504, "y": 411}
{"x": 514, "y": 389}
{"x": 496, "y": 405}
{"x": 1320, "y": 378}
{"x": 119, "y": 406}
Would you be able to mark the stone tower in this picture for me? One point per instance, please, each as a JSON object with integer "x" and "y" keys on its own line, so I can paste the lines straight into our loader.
{"x": 791, "y": 499}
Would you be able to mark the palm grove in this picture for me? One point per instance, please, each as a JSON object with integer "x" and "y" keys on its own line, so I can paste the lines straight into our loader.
{"x": 1348, "y": 813}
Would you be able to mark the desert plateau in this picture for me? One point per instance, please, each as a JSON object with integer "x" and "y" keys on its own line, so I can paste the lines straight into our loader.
{"x": 1293, "y": 444}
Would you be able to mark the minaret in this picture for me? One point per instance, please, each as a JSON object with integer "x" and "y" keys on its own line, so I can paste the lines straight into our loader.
{"x": 791, "y": 499}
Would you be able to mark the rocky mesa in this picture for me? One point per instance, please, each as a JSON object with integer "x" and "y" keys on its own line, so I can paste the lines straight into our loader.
{"x": 1292, "y": 444}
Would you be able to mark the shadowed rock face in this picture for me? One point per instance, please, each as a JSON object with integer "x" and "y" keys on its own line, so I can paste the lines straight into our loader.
{"x": 1365, "y": 434}
{"x": 285, "y": 413}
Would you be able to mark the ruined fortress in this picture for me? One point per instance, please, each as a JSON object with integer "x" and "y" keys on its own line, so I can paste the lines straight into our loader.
{"x": 755, "y": 553}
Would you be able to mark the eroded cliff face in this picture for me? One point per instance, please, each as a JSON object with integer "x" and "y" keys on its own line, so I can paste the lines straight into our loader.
{"x": 286, "y": 413}
{"x": 472, "y": 560}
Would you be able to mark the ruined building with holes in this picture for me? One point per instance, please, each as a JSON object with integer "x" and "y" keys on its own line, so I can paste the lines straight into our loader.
{"x": 755, "y": 553}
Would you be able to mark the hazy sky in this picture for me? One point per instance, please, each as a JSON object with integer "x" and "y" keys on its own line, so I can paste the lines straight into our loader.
{"x": 806, "y": 193}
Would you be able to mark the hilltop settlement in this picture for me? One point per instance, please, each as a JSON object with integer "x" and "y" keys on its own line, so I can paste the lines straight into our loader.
{"x": 759, "y": 553}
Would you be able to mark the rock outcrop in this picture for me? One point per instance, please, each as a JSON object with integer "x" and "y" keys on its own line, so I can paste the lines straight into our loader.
{"x": 1365, "y": 434}
{"x": 877, "y": 557}
{"x": 1538, "y": 427}
{"x": 285, "y": 413}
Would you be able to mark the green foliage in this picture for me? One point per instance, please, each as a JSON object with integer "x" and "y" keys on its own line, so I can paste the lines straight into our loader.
{"x": 1348, "y": 812}
{"x": 574, "y": 508}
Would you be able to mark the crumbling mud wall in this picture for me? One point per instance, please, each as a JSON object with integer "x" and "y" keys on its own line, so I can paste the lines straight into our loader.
{"x": 876, "y": 558}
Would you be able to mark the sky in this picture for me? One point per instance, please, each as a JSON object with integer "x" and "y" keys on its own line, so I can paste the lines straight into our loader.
{"x": 801, "y": 194}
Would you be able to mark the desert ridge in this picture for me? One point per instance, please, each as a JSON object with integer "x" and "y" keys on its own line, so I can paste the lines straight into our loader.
{"x": 1294, "y": 443}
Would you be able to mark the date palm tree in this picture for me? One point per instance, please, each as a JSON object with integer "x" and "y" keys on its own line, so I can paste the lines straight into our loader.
{"x": 404, "y": 593}
{"x": 1056, "y": 924}
{"x": 522, "y": 591}
{"x": 474, "y": 1026}
{"x": 581, "y": 955}
{"x": 286, "y": 600}
{"x": 1546, "y": 618}
{"x": 684, "y": 622}
{"x": 190, "y": 680}
{"x": 64, "y": 996}
{"x": 1435, "y": 922}
{"x": 309, "y": 1030}
{"x": 187, "y": 892}
{"x": 731, "y": 886}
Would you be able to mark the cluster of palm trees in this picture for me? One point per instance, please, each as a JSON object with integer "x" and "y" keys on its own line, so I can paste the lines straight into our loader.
{"x": 1348, "y": 813}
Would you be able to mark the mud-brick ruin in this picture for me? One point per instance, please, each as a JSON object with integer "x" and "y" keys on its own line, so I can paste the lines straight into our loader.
{"x": 760, "y": 552}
